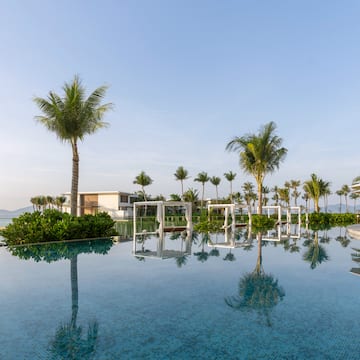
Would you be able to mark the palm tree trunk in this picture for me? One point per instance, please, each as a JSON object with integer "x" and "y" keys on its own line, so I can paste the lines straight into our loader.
{"x": 259, "y": 209}
{"x": 182, "y": 188}
{"x": 231, "y": 193}
{"x": 202, "y": 196}
{"x": 74, "y": 290}
{"x": 75, "y": 178}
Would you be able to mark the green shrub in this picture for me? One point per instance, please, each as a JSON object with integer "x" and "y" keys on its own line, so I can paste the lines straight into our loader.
{"x": 321, "y": 221}
{"x": 262, "y": 223}
{"x": 53, "y": 225}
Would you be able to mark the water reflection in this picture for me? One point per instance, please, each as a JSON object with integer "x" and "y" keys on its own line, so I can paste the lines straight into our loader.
{"x": 164, "y": 246}
{"x": 355, "y": 256}
{"x": 68, "y": 342}
{"x": 315, "y": 254}
{"x": 258, "y": 291}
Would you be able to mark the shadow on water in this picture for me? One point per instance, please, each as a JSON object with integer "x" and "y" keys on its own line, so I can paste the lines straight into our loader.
{"x": 68, "y": 342}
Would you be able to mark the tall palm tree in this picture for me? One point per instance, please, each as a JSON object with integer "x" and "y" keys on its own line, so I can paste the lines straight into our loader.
{"x": 284, "y": 195}
{"x": 287, "y": 186}
{"x": 181, "y": 174}
{"x": 143, "y": 180}
{"x": 259, "y": 154}
{"x": 215, "y": 180}
{"x": 230, "y": 176}
{"x": 346, "y": 191}
{"x": 354, "y": 196}
{"x": 265, "y": 191}
{"x": 71, "y": 117}
{"x": 340, "y": 193}
{"x": 316, "y": 188}
{"x": 202, "y": 178}
{"x": 294, "y": 184}
{"x": 249, "y": 194}
{"x": 276, "y": 196}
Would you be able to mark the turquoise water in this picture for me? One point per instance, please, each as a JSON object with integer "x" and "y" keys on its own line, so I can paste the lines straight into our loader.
{"x": 156, "y": 306}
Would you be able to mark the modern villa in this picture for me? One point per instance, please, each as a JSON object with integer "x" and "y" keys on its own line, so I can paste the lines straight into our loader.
{"x": 355, "y": 187}
{"x": 118, "y": 204}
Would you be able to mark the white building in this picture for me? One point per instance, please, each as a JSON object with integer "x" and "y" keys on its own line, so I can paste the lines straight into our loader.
{"x": 118, "y": 204}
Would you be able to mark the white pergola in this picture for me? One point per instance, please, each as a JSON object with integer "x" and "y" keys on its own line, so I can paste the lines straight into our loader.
{"x": 160, "y": 215}
{"x": 229, "y": 208}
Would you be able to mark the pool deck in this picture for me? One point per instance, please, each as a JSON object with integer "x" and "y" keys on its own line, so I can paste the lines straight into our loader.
{"x": 354, "y": 231}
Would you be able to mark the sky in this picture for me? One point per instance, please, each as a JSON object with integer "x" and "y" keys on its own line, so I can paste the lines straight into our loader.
{"x": 185, "y": 78}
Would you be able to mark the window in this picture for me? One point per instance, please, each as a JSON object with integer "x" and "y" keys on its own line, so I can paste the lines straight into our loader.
{"x": 124, "y": 199}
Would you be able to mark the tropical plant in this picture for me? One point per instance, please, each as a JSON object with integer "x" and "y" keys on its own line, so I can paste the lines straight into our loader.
{"x": 71, "y": 117}
{"x": 230, "y": 176}
{"x": 191, "y": 195}
{"x": 181, "y": 174}
{"x": 203, "y": 178}
{"x": 346, "y": 191}
{"x": 294, "y": 184}
{"x": 249, "y": 194}
{"x": 340, "y": 193}
{"x": 316, "y": 188}
{"x": 215, "y": 180}
{"x": 354, "y": 196}
{"x": 259, "y": 154}
{"x": 284, "y": 195}
{"x": 143, "y": 180}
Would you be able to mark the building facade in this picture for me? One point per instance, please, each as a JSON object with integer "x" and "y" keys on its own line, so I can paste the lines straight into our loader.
{"x": 118, "y": 204}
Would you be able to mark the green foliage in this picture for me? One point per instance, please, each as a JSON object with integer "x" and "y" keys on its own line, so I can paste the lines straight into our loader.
{"x": 323, "y": 221}
{"x": 262, "y": 223}
{"x": 61, "y": 250}
{"x": 208, "y": 226}
{"x": 53, "y": 225}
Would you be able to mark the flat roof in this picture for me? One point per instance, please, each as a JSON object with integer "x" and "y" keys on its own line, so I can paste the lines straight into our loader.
{"x": 102, "y": 193}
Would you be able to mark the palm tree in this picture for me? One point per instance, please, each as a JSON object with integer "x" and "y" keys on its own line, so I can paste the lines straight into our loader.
{"x": 175, "y": 197}
{"x": 354, "y": 196}
{"x": 143, "y": 180}
{"x": 287, "y": 186}
{"x": 284, "y": 195}
{"x": 230, "y": 176}
{"x": 259, "y": 154}
{"x": 191, "y": 195}
{"x": 340, "y": 193}
{"x": 181, "y": 174}
{"x": 215, "y": 180}
{"x": 346, "y": 191}
{"x": 294, "y": 184}
{"x": 60, "y": 201}
{"x": 265, "y": 191}
{"x": 249, "y": 194}
{"x": 316, "y": 188}
{"x": 71, "y": 117}
{"x": 306, "y": 198}
{"x": 276, "y": 196}
{"x": 202, "y": 178}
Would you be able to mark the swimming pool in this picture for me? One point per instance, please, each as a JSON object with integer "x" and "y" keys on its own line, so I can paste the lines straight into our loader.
{"x": 172, "y": 301}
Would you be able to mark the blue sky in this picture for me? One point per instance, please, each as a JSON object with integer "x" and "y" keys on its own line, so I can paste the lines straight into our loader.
{"x": 185, "y": 78}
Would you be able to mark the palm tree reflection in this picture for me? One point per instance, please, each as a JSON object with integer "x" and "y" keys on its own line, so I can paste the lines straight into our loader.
{"x": 258, "y": 291}
{"x": 68, "y": 342}
{"x": 316, "y": 253}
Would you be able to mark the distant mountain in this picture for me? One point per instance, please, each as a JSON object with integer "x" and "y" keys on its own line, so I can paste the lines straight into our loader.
{"x": 15, "y": 213}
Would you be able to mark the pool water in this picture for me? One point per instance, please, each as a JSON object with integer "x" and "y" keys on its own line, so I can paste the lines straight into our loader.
{"x": 173, "y": 299}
